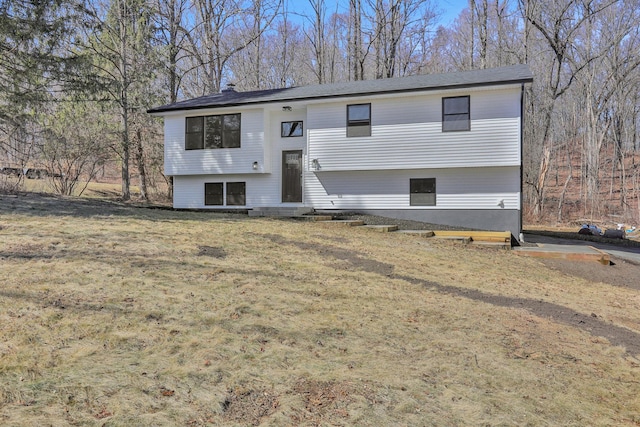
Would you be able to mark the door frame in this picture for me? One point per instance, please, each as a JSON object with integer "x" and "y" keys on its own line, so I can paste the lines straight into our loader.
{"x": 283, "y": 186}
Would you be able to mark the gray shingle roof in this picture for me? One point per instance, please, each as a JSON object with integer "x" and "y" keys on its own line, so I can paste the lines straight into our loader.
{"x": 488, "y": 77}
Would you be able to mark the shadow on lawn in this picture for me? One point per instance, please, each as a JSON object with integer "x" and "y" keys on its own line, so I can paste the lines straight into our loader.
{"x": 616, "y": 335}
{"x": 48, "y": 205}
{"x": 40, "y": 204}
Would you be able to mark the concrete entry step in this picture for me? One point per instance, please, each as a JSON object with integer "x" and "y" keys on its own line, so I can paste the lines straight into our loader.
{"x": 280, "y": 211}
{"x": 422, "y": 233}
{"x": 492, "y": 245}
{"x": 345, "y": 222}
{"x": 312, "y": 217}
{"x": 381, "y": 228}
{"x": 459, "y": 239}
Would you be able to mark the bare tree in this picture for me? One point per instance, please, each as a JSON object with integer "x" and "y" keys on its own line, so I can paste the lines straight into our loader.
{"x": 559, "y": 24}
{"x": 221, "y": 29}
{"x": 171, "y": 35}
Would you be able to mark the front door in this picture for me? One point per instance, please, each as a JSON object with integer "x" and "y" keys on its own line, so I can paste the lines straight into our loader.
{"x": 292, "y": 176}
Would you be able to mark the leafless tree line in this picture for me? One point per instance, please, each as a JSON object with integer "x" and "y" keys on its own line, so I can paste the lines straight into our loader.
{"x": 581, "y": 128}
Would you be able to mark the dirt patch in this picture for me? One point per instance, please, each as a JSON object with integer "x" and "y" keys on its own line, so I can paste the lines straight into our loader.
{"x": 620, "y": 273}
{"x": 342, "y": 258}
{"x": 324, "y": 402}
{"x": 249, "y": 407}
{"x": 212, "y": 251}
{"x": 592, "y": 323}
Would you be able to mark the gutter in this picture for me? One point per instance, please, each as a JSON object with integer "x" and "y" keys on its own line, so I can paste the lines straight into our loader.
{"x": 521, "y": 236}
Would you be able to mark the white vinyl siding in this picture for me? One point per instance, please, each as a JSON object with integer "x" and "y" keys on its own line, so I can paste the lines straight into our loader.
{"x": 179, "y": 161}
{"x": 188, "y": 191}
{"x": 463, "y": 188}
{"x": 406, "y": 133}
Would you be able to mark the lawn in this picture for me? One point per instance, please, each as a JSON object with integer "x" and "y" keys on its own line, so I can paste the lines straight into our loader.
{"x": 117, "y": 315}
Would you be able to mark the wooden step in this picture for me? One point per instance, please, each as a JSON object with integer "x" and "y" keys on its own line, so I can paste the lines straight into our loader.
{"x": 477, "y": 236}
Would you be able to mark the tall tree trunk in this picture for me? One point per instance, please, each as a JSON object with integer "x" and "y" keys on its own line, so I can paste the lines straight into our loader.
{"x": 355, "y": 45}
{"x": 124, "y": 99}
{"x": 142, "y": 171}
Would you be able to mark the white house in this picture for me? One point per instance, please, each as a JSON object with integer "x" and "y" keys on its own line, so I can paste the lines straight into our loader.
{"x": 444, "y": 149}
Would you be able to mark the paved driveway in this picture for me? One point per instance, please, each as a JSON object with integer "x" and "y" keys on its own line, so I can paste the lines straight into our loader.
{"x": 629, "y": 254}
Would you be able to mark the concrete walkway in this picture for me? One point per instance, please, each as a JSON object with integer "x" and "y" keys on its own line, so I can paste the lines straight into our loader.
{"x": 582, "y": 249}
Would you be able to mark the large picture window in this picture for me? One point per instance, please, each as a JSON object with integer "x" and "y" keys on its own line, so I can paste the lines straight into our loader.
{"x": 422, "y": 192}
{"x": 359, "y": 120}
{"x": 219, "y": 131}
{"x": 456, "y": 114}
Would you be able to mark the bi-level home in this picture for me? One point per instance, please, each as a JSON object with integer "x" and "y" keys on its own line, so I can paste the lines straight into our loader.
{"x": 444, "y": 149}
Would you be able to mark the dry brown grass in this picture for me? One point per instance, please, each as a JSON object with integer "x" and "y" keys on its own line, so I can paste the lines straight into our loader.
{"x": 123, "y": 316}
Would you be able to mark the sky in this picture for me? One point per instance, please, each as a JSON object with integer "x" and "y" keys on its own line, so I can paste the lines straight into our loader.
{"x": 450, "y": 9}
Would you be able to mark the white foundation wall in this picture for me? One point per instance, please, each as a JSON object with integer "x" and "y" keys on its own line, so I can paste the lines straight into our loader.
{"x": 494, "y": 188}
{"x": 188, "y": 191}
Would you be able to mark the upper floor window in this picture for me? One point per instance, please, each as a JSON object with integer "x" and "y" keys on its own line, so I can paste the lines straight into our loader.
{"x": 289, "y": 129}
{"x": 220, "y": 131}
{"x": 455, "y": 114}
{"x": 359, "y": 120}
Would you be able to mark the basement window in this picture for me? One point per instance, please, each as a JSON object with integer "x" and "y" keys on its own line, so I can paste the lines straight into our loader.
{"x": 422, "y": 192}
{"x": 236, "y": 193}
{"x": 213, "y": 194}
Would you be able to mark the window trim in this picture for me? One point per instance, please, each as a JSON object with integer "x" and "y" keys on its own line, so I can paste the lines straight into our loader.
{"x": 468, "y": 114}
{"x": 199, "y": 133}
{"x": 224, "y": 193}
{"x": 353, "y": 125}
{"x": 221, "y": 193}
{"x": 284, "y": 135}
{"x": 421, "y": 202}
{"x": 203, "y": 132}
{"x": 244, "y": 193}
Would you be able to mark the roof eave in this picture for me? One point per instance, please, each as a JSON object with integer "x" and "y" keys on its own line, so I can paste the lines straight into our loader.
{"x": 158, "y": 110}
